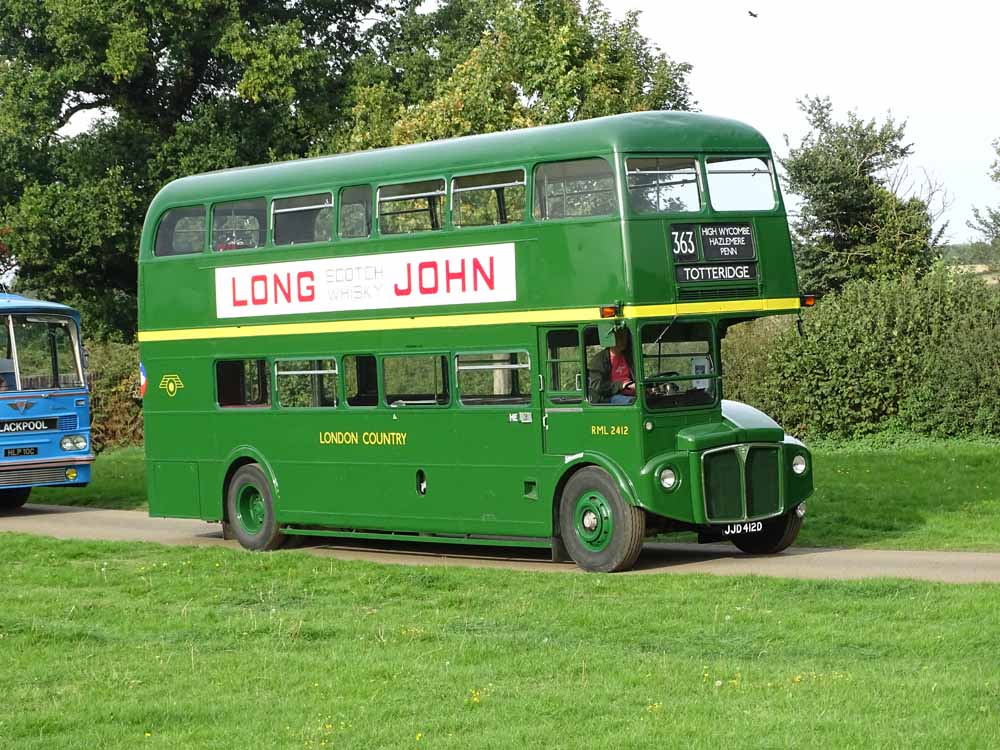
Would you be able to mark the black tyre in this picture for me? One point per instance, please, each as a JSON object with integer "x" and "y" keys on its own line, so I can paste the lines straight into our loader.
{"x": 14, "y": 499}
{"x": 601, "y": 532}
{"x": 777, "y": 535}
{"x": 250, "y": 510}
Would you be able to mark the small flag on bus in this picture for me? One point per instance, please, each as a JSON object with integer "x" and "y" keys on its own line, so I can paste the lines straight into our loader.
{"x": 142, "y": 380}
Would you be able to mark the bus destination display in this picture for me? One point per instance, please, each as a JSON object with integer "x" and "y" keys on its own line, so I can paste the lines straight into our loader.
{"x": 727, "y": 242}
{"x": 713, "y": 252}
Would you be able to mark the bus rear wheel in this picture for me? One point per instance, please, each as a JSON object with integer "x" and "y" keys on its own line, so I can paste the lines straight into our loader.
{"x": 250, "y": 510}
{"x": 776, "y": 536}
{"x": 14, "y": 499}
{"x": 601, "y": 532}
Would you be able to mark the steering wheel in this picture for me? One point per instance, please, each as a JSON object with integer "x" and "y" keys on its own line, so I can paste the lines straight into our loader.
{"x": 664, "y": 389}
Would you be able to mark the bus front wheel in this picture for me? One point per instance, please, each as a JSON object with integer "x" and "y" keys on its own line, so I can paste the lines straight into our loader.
{"x": 776, "y": 536}
{"x": 250, "y": 509}
{"x": 14, "y": 499}
{"x": 601, "y": 532}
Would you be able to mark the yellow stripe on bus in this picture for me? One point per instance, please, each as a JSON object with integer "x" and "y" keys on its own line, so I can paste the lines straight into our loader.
{"x": 568, "y": 315}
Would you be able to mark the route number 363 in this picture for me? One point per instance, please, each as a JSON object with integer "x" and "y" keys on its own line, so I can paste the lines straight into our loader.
{"x": 683, "y": 242}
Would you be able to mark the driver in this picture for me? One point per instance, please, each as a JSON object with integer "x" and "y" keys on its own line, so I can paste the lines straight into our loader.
{"x": 609, "y": 374}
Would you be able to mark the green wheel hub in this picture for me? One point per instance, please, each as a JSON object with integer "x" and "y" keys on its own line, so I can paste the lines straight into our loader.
{"x": 592, "y": 520}
{"x": 250, "y": 508}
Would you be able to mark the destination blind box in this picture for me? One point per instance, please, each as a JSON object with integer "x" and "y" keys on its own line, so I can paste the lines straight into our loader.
{"x": 716, "y": 252}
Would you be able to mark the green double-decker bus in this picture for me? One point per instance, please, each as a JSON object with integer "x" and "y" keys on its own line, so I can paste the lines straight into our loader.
{"x": 505, "y": 339}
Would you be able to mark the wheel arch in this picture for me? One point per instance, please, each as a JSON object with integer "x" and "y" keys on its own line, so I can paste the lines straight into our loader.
{"x": 582, "y": 461}
{"x": 237, "y": 459}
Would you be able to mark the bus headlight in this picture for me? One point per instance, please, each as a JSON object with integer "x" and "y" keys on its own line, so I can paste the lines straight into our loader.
{"x": 668, "y": 479}
{"x": 73, "y": 443}
{"x": 799, "y": 465}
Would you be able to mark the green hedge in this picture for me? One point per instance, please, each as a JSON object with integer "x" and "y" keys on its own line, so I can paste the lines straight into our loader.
{"x": 911, "y": 355}
{"x": 113, "y": 374}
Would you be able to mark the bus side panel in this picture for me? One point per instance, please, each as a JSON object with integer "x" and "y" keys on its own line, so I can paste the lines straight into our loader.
{"x": 422, "y": 469}
{"x": 179, "y": 421}
{"x": 174, "y": 489}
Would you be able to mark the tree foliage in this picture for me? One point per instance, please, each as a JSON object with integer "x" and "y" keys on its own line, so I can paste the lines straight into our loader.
{"x": 479, "y": 66}
{"x": 853, "y": 223}
{"x": 186, "y": 87}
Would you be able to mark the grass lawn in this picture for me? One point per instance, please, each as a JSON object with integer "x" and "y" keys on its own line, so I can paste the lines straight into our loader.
{"x": 921, "y": 494}
{"x": 924, "y": 494}
{"x": 121, "y": 646}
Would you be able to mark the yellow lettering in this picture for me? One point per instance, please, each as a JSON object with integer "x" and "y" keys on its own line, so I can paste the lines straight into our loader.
{"x": 365, "y": 438}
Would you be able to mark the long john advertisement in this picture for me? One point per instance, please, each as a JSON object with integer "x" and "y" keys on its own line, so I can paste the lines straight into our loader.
{"x": 453, "y": 276}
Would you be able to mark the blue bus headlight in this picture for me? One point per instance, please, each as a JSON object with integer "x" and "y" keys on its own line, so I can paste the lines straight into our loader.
{"x": 73, "y": 443}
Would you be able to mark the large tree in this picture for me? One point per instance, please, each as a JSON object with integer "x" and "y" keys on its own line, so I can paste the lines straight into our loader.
{"x": 184, "y": 87}
{"x": 477, "y": 66}
{"x": 854, "y": 221}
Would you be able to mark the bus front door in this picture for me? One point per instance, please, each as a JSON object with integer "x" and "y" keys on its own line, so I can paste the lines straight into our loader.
{"x": 563, "y": 418}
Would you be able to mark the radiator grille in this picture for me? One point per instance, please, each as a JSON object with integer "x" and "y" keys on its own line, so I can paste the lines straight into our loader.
{"x": 41, "y": 475}
{"x": 67, "y": 422}
{"x": 742, "y": 482}
{"x": 732, "y": 292}
{"x": 723, "y": 493}
{"x": 762, "y": 490}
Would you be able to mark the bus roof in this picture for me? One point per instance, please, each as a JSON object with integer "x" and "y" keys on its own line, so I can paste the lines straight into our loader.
{"x": 16, "y": 303}
{"x": 657, "y": 131}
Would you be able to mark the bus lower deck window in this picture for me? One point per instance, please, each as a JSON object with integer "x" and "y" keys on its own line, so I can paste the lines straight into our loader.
{"x": 495, "y": 378}
{"x": 242, "y": 382}
{"x": 360, "y": 380}
{"x": 306, "y": 383}
{"x": 415, "y": 380}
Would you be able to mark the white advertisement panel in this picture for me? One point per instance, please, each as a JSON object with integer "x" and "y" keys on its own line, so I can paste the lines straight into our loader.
{"x": 452, "y": 276}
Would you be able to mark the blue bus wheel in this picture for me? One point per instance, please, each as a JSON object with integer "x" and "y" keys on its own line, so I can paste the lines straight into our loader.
{"x": 14, "y": 499}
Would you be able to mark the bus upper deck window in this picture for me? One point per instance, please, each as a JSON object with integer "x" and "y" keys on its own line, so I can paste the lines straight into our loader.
{"x": 306, "y": 218}
{"x": 740, "y": 184}
{"x": 239, "y": 225}
{"x": 486, "y": 199}
{"x": 181, "y": 232}
{"x": 355, "y": 212}
{"x": 584, "y": 187}
{"x": 659, "y": 185}
{"x": 411, "y": 207}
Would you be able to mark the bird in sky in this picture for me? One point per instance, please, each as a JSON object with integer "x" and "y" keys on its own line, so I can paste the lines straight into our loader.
{"x": 752, "y": 14}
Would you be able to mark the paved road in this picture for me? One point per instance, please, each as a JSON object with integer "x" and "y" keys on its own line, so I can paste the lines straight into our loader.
{"x": 799, "y": 562}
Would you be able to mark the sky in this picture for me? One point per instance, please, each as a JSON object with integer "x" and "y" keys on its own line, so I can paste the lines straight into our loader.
{"x": 934, "y": 66}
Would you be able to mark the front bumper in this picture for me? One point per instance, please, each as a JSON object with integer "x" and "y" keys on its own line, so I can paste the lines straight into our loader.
{"x": 74, "y": 470}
